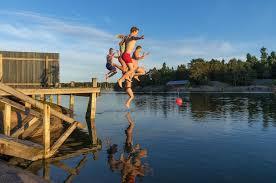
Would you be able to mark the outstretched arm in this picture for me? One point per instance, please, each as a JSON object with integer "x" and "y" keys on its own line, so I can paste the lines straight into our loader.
{"x": 137, "y": 38}
{"x": 141, "y": 57}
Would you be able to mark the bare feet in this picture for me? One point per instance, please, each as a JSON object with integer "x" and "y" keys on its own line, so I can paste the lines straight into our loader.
{"x": 120, "y": 83}
{"x": 137, "y": 78}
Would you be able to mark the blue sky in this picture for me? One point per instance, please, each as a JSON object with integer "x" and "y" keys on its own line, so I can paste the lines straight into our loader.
{"x": 175, "y": 31}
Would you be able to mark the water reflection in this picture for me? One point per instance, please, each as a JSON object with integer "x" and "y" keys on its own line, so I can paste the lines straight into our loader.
{"x": 252, "y": 107}
{"x": 130, "y": 164}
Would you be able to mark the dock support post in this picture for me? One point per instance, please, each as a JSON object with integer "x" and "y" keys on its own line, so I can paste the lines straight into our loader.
{"x": 51, "y": 99}
{"x": 42, "y": 97}
{"x": 72, "y": 102}
{"x": 58, "y": 99}
{"x": 72, "y": 98}
{"x": 7, "y": 120}
{"x": 91, "y": 109}
{"x": 1, "y": 68}
{"x": 46, "y": 129}
{"x": 91, "y": 114}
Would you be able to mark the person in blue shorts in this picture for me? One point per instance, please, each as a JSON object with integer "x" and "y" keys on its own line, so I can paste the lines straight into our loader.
{"x": 110, "y": 65}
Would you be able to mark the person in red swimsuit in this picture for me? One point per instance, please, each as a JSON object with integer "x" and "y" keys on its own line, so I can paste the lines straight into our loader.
{"x": 130, "y": 42}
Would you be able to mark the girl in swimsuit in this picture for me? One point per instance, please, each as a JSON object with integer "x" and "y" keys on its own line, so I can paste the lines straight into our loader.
{"x": 122, "y": 45}
{"x": 139, "y": 71}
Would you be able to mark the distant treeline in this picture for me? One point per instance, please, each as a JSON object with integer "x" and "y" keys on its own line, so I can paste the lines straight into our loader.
{"x": 199, "y": 71}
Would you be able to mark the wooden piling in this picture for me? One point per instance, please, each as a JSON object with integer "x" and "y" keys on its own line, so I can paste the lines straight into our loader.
{"x": 58, "y": 99}
{"x": 51, "y": 100}
{"x": 72, "y": 102}
{"x": 91, "y": 115}
{"x": 92, "y": 101}
{"x": 46, "y": 129}
{"x": 42, "y": 97}
{"x": 7, "y": 120}
{"x": 72, "y": 98}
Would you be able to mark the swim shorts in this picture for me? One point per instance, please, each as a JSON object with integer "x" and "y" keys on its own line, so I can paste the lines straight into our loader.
{"x": 110, "y": 67}
{"x": 126, "y": 57}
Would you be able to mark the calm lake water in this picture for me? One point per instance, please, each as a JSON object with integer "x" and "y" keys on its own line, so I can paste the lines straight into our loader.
{"x": 211, "y": 138}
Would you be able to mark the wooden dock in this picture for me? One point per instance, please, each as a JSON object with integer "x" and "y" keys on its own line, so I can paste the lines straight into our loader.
{"x": 38, "y": 110}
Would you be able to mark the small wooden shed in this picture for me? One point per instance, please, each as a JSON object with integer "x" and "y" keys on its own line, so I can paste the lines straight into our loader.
{"x": 29, "y": 68}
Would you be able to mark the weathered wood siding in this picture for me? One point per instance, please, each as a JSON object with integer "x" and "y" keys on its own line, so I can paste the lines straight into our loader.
{"x": 29, "y": 68}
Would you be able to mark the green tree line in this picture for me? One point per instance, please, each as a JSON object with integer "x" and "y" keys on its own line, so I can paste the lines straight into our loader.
{"x": 200, "y": 71}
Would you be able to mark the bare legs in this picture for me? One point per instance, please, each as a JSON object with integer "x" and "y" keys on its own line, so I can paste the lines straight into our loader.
{"x": 110, "y": 74}
{"x": 139, "y": 72}
{"x": 128, "y": 75}
{"x": 123, "y": 66}
{"x": 130, "y": 94}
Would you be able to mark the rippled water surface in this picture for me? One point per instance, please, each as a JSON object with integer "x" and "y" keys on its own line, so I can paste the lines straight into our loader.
{"x": 211, "y": 138}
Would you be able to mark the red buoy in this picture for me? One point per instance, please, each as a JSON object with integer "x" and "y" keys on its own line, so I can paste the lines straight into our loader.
{"x": 179, "y": 101}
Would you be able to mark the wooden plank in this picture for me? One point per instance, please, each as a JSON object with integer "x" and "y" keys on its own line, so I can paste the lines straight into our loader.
{"x": 37, "y": 104}
{"x": 30, "y": 59}
{"x": 46, "y": 130}
{"x": 72, "y": 102}
{"x": 59, "y": 100}
{"x": 20, "y": 148}
{"x": 28, "y": 105}
{"x": 7, "y": 119}
{"x": 42, "y": 97}
{"x": 20, "y": 107}
{"x": 63, "y": 138}
{"x": 26, "y": 124}
{"x": 54, "y": 91}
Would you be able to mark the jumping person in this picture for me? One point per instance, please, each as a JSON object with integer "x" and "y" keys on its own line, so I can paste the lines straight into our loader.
{"x": 139, "y": 71}
{"x": 122, "y": 44}
{"x": 130, "y": 42}
{"x": 109, "y": 64}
